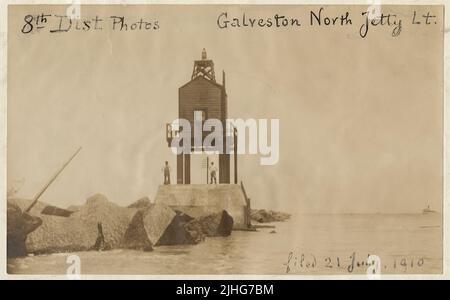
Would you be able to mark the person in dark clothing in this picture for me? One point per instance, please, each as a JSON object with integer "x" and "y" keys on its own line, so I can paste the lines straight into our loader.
{"x": 100, "y": 243}
{"x": 166, "y": 171}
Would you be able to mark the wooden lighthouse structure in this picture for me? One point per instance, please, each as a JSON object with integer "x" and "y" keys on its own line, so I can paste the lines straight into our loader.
{"x": 204, "y": 96}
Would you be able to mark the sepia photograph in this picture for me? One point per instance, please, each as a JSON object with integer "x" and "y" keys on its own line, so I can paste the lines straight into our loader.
{"x": 226, "y": 139}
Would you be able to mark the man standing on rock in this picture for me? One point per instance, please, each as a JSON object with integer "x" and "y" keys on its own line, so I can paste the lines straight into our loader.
{"x": 212, "y": 173}
{"x": 166, "y": 171}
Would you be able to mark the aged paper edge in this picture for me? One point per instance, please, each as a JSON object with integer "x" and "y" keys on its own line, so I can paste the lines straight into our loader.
{"x": 3, "y": 138}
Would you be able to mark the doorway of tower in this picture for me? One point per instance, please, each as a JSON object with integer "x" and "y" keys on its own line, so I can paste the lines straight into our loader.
{"x": 201, "y": 166}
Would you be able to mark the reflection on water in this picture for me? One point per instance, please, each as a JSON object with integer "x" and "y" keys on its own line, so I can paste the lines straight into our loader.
{"x": 307, "y": 244}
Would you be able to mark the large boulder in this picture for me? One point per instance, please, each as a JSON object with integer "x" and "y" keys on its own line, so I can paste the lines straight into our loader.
{"x": 147, "y": 226}
{"x": 216, "y": 224}
{"x": 193, "y": 232}
{"x": 157, "y": 219}
{"x": 19, "y": 225}
{"x": 56, "y": 211}
{"x": 182, "y": 230}
{"x": 113, "y": 218}
{"x": 60, "y": 234}
{"x": 136, "y": 237}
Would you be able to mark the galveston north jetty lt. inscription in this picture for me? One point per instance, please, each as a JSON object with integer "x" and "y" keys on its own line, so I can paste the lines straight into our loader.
{"x": 364, "y": 22}
{"x": 319, "y": 18}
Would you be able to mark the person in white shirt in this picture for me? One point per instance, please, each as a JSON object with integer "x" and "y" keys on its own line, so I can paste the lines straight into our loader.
{"x": 212, "y": 173}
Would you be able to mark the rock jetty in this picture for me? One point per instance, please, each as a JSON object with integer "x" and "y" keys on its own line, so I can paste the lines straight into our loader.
{"x": 102, "y": 225}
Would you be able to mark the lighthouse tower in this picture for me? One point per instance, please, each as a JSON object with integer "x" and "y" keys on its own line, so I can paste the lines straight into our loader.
{"x": 202, "y": 95}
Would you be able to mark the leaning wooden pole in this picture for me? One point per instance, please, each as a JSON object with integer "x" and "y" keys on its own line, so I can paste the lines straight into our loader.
{"x": 38, "y": 195}
{"x": 235, "y": 141}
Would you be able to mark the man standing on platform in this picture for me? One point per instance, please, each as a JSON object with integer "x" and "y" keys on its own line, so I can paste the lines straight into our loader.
{"x": 213, "y": 172}
{"x": 166, "y": 171}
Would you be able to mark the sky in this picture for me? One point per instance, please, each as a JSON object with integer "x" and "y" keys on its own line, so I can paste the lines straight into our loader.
{"x": 360, "y": 119}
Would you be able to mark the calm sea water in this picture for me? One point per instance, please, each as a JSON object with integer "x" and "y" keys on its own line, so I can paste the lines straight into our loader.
{"x": 306, "y": 244}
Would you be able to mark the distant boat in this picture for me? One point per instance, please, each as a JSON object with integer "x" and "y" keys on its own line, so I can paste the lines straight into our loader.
{"x": 428, "y": 210}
